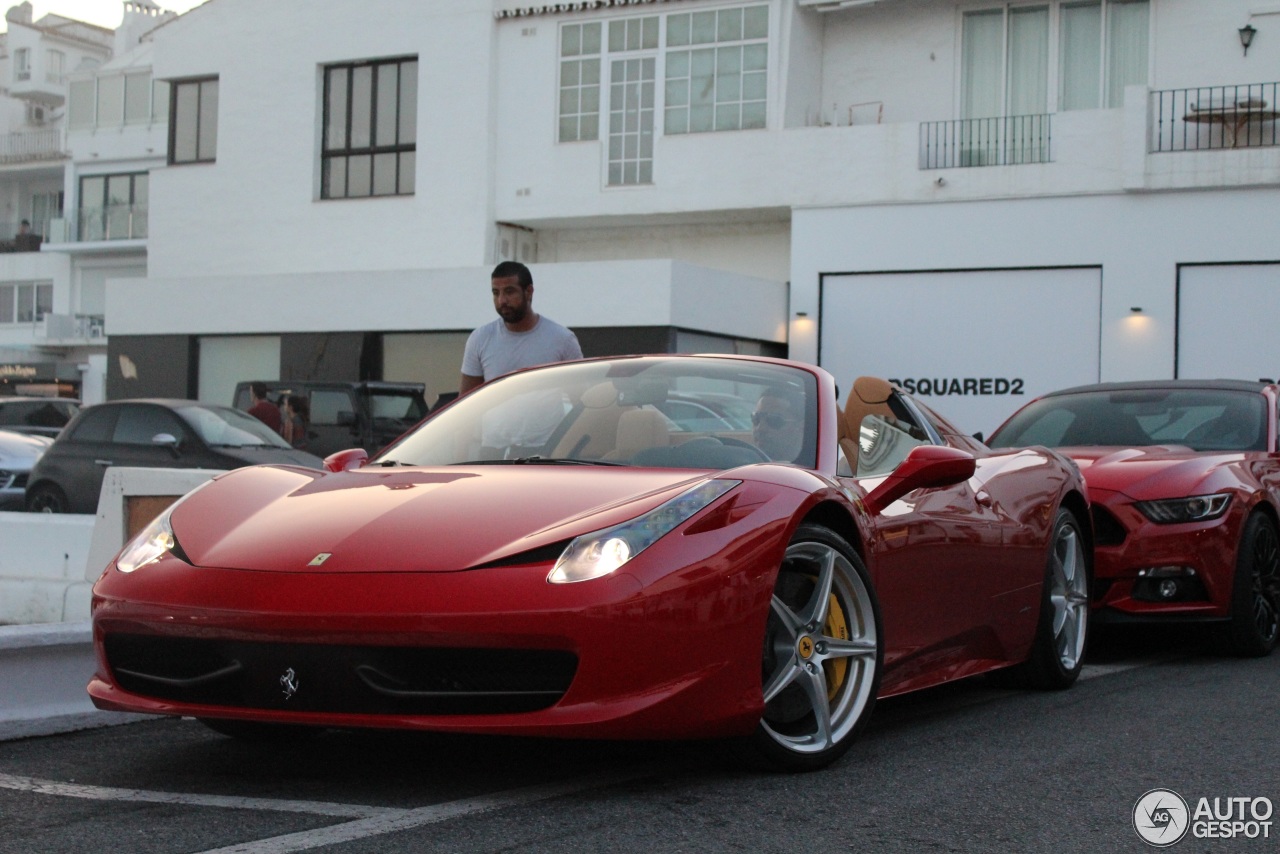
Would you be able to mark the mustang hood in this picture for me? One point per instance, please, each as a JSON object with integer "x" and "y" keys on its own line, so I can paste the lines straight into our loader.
{"x": 405, "y": 520}
{"x": 1159, "y": 471}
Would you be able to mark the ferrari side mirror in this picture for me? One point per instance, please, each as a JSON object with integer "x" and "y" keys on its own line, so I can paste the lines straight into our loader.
{"x": 927, "y": 466}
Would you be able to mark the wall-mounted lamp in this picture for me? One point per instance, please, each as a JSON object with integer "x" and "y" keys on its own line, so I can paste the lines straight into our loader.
{"x": 1136, "y": 309}
{"x": 1246, "y": 37}
{"x": 802, "y": 314}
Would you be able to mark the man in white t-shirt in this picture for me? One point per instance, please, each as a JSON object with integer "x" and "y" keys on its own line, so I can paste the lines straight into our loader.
{"x": 519, "y": 338}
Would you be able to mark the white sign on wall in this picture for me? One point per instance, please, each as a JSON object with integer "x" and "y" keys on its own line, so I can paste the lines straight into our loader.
{"x": 1227, "y": 318}
{"x": 973, "y": 345}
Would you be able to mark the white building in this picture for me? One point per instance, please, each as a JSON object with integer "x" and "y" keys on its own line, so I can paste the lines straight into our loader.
{"x": 58, "y": 125}
{"x": 985, "y": 200}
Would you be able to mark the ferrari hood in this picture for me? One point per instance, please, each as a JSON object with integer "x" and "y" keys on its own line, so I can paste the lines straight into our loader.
{"x": 405, "y": 520}
{"x": 1159, "y": 471}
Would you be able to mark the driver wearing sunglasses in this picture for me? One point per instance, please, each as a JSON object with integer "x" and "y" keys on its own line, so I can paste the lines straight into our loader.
{"x": 778, "y": 424}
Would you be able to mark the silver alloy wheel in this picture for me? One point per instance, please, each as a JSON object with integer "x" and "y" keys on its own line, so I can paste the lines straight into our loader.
{"x": 1069, "y": 596}
{"x": 821, "y": 650}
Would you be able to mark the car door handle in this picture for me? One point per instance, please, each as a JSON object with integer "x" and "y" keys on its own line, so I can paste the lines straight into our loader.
{"x": 104, "y": 462}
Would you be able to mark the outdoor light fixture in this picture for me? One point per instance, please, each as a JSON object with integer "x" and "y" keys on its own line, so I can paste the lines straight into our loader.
{"x": 802, "y": 314}
{"x": 1136, "y": 309}
{"x": 1246, "y": 37}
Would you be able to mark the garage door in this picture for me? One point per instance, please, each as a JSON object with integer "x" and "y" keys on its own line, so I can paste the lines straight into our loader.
{"x": 1227, "y": 321}
{"x": 974, "y": 345}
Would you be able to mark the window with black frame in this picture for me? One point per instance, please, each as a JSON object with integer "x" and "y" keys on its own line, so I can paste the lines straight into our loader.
{"x": 193, "y": 121}
{"x": 369, "y": 147}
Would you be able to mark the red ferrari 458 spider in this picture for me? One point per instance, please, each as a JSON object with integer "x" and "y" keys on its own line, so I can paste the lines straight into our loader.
{"x": 552, "y": 555}
{"x": 1184, "y": 480}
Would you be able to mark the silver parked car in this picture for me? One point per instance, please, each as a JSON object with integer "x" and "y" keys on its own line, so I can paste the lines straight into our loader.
{"x": 18, "y": 453}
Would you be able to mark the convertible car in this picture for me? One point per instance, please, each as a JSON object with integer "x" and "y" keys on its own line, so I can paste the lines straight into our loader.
{"x": 1184, "y": 480}
{"x": 552, "y": 555}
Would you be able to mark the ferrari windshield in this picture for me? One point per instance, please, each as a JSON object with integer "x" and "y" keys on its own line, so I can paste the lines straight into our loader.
{"x": 617, "y": 412}
{"x": 1203, "y": 419}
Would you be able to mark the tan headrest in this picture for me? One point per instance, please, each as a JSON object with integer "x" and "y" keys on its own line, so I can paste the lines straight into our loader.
{"x": 872, "y": 390}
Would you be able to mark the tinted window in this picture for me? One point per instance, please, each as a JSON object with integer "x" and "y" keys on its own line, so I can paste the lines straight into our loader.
{"x": 1201, "y": 419}
{"x": 97, "y": 425}
{"x": 399, "y": 407}
{"x": 138, "y": 425}
{"x": 325, "y": 406}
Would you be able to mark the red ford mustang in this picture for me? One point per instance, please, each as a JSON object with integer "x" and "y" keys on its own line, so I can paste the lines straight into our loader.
{"x": 1184, "y": 479}
{"x": 552, "y": 555}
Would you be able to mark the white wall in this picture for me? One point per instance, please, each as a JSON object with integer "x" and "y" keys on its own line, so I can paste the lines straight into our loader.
{"x": 639, "y": 293}
{"x": 256, "y": 209}
{"x": 1138, "y": 240}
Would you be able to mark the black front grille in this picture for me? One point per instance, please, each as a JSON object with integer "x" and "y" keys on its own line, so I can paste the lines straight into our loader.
{"x": 340, "y": 679}
{"x": 1107, "y": 529}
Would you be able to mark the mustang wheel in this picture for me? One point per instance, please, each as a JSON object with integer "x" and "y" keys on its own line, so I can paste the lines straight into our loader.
{"x": 822, "y": 656}
{"x": 1255, "y": 598}
{"x": 1057, "y": 654}
{"x": 46, "y": 499}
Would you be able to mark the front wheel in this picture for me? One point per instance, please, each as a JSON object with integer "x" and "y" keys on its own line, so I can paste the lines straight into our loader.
{"x": 822, "y": 654}
{"x": 1057, "y": 653}
{"x": 1255, "y": 595}
{"x": 46, "y": 499}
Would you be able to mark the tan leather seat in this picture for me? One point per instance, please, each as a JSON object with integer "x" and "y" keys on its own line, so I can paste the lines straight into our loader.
{"x": 638, "y": 430}
{"x": 870, "y": 396}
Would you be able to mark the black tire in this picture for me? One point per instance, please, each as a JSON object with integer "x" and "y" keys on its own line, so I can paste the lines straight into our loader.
{"x": 46, "y": 498}
{"x": 256, "y": 731}
{"x": 822, "y": 655}
{"x": 1057, "y": 653}
{"x": 1255, "y": 592}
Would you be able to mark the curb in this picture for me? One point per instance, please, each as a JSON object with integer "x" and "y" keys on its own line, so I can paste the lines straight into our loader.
{"x": 44, "y": 669}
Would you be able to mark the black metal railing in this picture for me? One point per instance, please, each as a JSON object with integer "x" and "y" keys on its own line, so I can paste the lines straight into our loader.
{"x": 1211, "y": 117}
{"x": 1001, "y": 141}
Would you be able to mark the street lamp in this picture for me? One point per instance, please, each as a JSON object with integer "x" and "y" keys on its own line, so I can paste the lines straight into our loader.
{"x": 1246, "y": 37}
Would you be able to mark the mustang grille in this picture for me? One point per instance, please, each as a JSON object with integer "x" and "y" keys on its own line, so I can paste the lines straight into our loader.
{"x": 340, "y": 679}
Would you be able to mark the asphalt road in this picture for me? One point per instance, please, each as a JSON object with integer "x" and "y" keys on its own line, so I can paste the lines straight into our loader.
{"x": 970, "y": 767}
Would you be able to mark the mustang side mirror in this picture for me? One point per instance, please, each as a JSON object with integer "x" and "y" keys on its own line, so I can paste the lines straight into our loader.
{"x": 927, "y": 466}
{"x": 352, "y": 458}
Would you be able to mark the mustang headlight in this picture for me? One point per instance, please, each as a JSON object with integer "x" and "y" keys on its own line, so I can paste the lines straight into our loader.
{"x": 600, "y": 553}
{"x": 1197, "y": 508}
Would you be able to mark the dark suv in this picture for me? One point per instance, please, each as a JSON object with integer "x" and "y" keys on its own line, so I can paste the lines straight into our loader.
{"x": 367, "y": 415}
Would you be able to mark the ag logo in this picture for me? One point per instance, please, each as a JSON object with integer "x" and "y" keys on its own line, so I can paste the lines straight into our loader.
{"x": 1161, "y": 818}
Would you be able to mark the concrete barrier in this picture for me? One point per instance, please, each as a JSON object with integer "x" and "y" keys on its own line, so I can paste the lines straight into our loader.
{"x": 48, "y": 563}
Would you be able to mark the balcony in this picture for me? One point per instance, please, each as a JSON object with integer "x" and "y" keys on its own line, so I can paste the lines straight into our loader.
{"x": 13, "y": 240}
{"x": 112, "y": 222}
{"x": 70, "y": 329}
{"x": 33, "y": 146}
{"x": 1003, "y": 141}
{"x": 1215, "y": 117}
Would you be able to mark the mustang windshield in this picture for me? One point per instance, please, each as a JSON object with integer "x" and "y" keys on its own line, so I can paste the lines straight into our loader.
{"x": 1199, "y": 418}
{"x": 618, "y": 412}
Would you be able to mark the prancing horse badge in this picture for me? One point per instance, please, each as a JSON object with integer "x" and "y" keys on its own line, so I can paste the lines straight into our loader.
{"x": 320, "y": 558}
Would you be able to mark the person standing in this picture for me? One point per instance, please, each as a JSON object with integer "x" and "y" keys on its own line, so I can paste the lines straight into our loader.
{"x": 261, "y": 408}
{"x": 519, "y": 337}
{"x": 297, "y": 421}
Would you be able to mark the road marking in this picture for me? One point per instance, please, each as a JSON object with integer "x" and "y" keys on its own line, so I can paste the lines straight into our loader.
{"x": 108, "y": 793}
{"x": 1093, "y": 671}
{"x": 408, "y": 819}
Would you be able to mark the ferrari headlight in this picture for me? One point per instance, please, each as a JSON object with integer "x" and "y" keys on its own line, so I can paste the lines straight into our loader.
{"x": 151, "y": 544}
{"x": 1197, "y": 508}
{"x": 602, "y": 552}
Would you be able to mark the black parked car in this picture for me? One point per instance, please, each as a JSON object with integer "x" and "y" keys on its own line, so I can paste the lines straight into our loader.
{"x": 42, "y": 416}
{"x": 154, "y": 434}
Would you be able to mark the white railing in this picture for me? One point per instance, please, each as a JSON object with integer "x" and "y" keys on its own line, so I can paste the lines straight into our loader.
{"x": 48, "y": 144}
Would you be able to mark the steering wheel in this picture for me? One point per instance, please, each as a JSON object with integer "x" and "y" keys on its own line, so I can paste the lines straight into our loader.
{"x": 739, "y": 443}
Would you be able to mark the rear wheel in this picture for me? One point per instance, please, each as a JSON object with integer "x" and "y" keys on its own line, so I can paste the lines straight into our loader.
{"x": 822, "y": 656}
{"x": 1057, "y": 654}
{"x": 46, "y": 498}
{"x": 1255, "y": 595}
